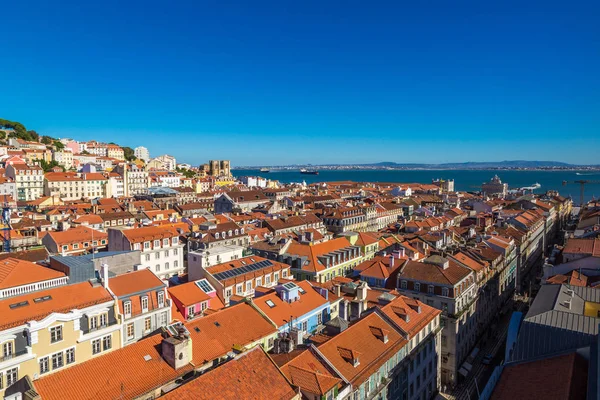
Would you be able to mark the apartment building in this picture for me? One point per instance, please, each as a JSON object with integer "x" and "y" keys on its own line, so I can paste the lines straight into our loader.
{"x": 160, "y": 247}
{"x": 142, "y": 153}
{"x": 64, "y": 158}
{"x": 450, "y": 287}
{"x": 135, "y": 179}
{"x": 29, "y": 181}
{"x": 295, "y": 304}
{"x": 114, "y": 151}
{"x": 75, "y": 241}
{"x": 241, "y": 277}
{"x": 142, "y": 304}
{"x": 322, "y": 262}
{"x": 214, "y": 244}
{"x": 8, "y": 187}
{"x": 47, "y": 331}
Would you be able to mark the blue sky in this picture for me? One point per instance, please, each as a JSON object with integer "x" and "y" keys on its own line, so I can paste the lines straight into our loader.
{"x": 287, "y": 82}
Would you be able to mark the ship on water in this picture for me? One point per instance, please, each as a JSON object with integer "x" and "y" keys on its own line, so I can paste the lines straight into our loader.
{"x": 309, "y": 171}
{"x": 265, "y": 169}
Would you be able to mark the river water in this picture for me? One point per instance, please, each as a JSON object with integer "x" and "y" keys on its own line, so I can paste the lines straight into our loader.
{"x": 464, "y": 180}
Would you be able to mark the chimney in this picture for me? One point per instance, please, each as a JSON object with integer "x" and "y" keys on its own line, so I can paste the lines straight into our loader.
{"x": 104, "y": 275}
{"x": 177, "y": 349}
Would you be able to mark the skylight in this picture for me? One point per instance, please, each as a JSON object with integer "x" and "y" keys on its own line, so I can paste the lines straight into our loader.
{"x": 270, "y": 303}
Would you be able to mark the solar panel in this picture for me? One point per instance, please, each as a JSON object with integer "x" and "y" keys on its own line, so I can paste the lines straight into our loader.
{"x": 205, "y": 286}
{"x": 242, "y": 270}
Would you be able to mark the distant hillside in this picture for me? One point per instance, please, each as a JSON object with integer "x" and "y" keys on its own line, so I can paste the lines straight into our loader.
{"x": 478, "y": 165}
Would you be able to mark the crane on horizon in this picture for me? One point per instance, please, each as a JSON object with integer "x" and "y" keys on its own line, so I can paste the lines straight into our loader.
{"x": 581, "y": 183}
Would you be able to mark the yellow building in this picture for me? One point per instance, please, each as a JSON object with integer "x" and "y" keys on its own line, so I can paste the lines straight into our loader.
{"x": 46, "y": 331}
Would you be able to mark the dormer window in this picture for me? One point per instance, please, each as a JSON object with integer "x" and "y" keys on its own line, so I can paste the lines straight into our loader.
{"x": 403, "y": 285}
{"x": 144, "y": 303}
{"x": 430, "y": 289}
{"x": 165, "y": 242}
{"x": 127, "y": 308}
{"x": 445, "y": 292}
{"x": 417, "y": 287}
{"x": 242, "y": 231}
{"x": 230, "y": 233}
{"x": 161, "y": 299}
{"x": 157, "y": 243}
{"x": 237, "y": 232}
{"x": 216, "y": 235}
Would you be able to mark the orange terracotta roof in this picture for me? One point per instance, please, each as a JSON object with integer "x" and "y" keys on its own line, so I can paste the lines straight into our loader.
{"x": 238, "y": 325}
{"x": 134, "y": 282}
{"x": 251, "y": 375}
{"x": 139, "y": 235}
{"x": 359, "y": 341}
{"x": 282, "y": 311}
{"x": 308, "y": 373}
{"x": 316, "y": 250}
{"x": 14, "y": 272}
{"x": 188, "y": 293}
{"x": 404, "y": 311}
{"x": 120, "y": 374}
{"x": 77, "y": 235}
{"x": 62, "y": 300}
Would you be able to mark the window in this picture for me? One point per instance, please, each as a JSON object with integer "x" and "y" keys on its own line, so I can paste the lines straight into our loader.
{"x": 239, "y": 289}
{"x": 157, "y": 255}
{"x": 175, "y": 252}
{"x": 228, "y": 292}
{"x": 165, "y": 242}
{"x": 75, "y": 246}
{"x": 284, "y": 273}
{"x": 96, "y": 346}
{"x": 166, "y": 253}
{"x": 175, "y": 240}
{"x": 267, "y": 279}
{"x": 157, "y": 267}
{"x": 175, "y": 264}
{"x": 430, "y": 289}
{"x": 445, "y": 292}
{"x": 203, "y": 305}
{"x": 70, "y": 353}
{"x": 57, "y": 360}
{"x": 403, "y": 284}
{"x": 130, "y": 331}
{"x": 319, "y": 318}
{"x": 417, "y": 286}
{"x": 167, "y": 266}
{"x": 157, "y": 243}
{"x": 107, "y": 342}
{"x": 65, "y": 248}
{"x": 163, "y": 319}
{"x": 103, "y": 320}
{"x": 144, "y": 303}
{"x": 56, "y": 334}
{"x": 127, "y": 308}
{"x": 147, "y": 257}
{"x": 304, "y": 326}
{"x": 44, "y": 365}
{"x": 12, "y": 376}
{"x": 276, "y": 276}
{"x": 248, "y": 286}
{"x": 258, "y": 281}
{"x": 161, "y": 299}
{"x": 8, "y": 349}
{"x": 93, "y": 323}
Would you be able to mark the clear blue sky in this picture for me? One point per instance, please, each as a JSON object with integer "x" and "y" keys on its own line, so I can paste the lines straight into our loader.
{"x": 282, "y": 82}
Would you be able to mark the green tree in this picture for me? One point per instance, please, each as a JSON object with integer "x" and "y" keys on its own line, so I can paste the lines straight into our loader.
{"x": 48, "y": 166}
{"x": 58, "y": 145}
{"x": 129, "y": 153}
{"x": 47, "y": 140}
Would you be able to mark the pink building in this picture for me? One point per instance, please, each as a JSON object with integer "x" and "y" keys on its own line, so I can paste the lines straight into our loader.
{"x": 74, "y": 146}
{"x": 193, "y": 299}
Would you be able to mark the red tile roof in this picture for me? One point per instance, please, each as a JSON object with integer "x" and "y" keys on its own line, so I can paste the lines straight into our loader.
{"x": 251, "y": 375}
{"x": 120, "y": 374}
{"x": 14, "y": 272}
{"x": 62, "y": 300}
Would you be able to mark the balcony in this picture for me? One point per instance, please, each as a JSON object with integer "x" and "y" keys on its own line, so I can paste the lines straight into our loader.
{"x": 13, "y": 355}
{"x": 374, "y": 392}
